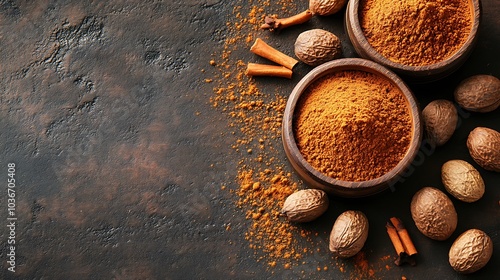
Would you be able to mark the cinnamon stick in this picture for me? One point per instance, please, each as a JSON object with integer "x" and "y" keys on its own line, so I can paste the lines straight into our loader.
{"x": 401, "y": 241}
{"x": 261, "y": 48}
{"x": 404, "y": 236}
{"x": 273, "y": 23}
{"x": 256, "y": 69}
{"x": 396, "y": 242}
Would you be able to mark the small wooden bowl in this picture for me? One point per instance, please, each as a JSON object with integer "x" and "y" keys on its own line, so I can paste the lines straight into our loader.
{"x": 315, "y": 178}
{"x": 416, "y": 74}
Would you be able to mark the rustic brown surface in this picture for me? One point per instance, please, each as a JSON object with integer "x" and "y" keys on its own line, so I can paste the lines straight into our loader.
{"x": 120, "y": 157}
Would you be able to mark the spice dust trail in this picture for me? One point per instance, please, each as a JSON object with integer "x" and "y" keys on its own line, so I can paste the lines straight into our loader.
{"x": 254, "y": 117}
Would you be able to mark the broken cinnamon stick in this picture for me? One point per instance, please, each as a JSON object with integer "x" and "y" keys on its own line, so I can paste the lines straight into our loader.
{"x": 401, "y": 241}
{"x": 256, "y": 69}
{"x": 272, "y": 23}
{"x": 261, "y": 48}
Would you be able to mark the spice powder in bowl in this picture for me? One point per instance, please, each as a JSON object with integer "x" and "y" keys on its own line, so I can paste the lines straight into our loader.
{"x": 350, "y": 129}
{"x": 353, "y": 125}
{"x": 416, "y": 32}
{"x": 421, "y": 40}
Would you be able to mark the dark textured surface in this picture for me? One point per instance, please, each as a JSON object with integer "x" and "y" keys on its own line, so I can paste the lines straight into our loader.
{"x": 120, "y": 157}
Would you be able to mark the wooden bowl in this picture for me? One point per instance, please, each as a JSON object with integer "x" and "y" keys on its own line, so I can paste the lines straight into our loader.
{"x": 315, "y": 178}
{"x": 415, "y": 74}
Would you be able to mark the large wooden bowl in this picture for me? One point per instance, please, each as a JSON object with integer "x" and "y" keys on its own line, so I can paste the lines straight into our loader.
{"x": 416, "y": 74}
{"x": 315, "y": 178}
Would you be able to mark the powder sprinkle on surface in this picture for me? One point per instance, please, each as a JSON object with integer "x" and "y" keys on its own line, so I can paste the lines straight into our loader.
{"x": 255, "y": 118}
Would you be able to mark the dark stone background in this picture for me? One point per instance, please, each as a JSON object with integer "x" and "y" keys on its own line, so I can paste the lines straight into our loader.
{"x": 120, "y": 157}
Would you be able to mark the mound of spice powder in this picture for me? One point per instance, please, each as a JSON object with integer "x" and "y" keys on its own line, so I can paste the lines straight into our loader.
{"x": 352, "y": 125}
{"x": 416, "y": 32}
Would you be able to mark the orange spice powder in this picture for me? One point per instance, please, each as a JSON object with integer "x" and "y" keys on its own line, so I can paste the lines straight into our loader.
{"x": 352, "y": 125}
{"x": 255, "y": 118}
{"x": 416, "y": 32}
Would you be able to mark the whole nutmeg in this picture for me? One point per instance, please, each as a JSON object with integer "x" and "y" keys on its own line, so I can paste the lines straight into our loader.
{"x": 317, "y": 46}
{"x": 326, "y": 7}
{"x": 484, "y": 147}
{"x": 479, "y": 93}
{"x": 462, "y": 180}
{"x": 349, "y": 234}
{"x": 305, "y": 205}
{"x": 440, "y": 120}
{"x": 471, "y": 251}
{"x": 433, "y": 213}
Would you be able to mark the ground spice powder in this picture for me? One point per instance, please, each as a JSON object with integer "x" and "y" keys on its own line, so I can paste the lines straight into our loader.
{"x": 416, "y": 32}
{"x": 254, "y": 118}
{"x": 352, "y": 125}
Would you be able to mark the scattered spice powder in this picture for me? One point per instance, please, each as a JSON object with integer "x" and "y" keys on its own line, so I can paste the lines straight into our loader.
{"x": 352, "y": 125}
{"x": 255, "y": 119}
{"x": 363, "y": 269}
{"x": 416, "y": 32}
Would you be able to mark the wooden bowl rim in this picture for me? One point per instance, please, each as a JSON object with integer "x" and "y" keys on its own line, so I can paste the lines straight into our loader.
{"x": 353, "y": 14}
{"x": 343, "y": 64}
